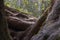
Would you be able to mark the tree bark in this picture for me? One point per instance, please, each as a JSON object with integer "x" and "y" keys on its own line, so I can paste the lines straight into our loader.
{"x": 51, "y": 28}
{"x": 4, "y": 34}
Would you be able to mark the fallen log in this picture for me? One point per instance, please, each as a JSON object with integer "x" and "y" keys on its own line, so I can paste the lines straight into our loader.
{"x": 18, "y": 20}
{"x": 18, "y": 24}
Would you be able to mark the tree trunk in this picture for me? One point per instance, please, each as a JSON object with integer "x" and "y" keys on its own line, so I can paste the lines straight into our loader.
{"x": 51, "y": 28}
{"x": 4, "y": 34}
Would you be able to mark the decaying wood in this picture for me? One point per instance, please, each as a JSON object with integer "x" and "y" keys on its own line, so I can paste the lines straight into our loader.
{"x": 18, "y": 21}
{"x": 18, "y": 24}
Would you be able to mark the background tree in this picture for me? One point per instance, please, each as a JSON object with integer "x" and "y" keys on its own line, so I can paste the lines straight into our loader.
{"x": 33, "y": 7}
